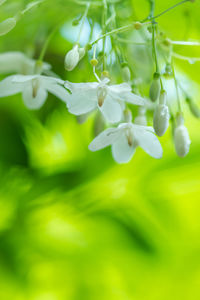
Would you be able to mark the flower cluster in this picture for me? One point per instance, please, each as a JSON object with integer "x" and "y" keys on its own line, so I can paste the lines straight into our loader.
{"x": 116, "y": 102}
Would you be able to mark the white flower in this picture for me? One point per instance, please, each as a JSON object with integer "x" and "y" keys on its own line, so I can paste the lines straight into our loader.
{"x": 110, "y": 100}
{"x": 125, "y": 139}
{"x": 18, "y": 62}
{"x": 34, "y": 89}
{"x": 181, "y": 138}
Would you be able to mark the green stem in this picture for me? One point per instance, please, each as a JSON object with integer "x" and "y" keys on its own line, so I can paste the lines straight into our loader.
{"x": 150, "y": 18}
{"x": 154, "y": 47}
{"x": 176, "y": 86}
{"x": 46, "y": 44}
{"x": 117, "y": 30}
{"x": 83, "y": 21}
{"x": 104, "y": 19}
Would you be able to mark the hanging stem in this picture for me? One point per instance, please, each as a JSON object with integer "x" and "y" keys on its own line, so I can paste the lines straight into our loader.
{"x": 177, "y": 91}
{"x": 104, "y": 19}
{"x": 83, "y": 21}
{"x": 154, "y": 47}
{"x": 150, "y": 18}
{"x": 46, "y": 44}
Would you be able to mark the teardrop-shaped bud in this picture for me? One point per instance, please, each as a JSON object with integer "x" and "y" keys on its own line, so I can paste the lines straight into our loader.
{"x": 155, "y": 88}
{"x": 7, "y": 25}
{"x": 81, "y": 52}
{"x": 193, "y": 108}
{"x": 161, "y": 115}
{"x": 181, "y": 138}
{"x": 126, "y": 73}
{"x": 72, "y": 59}
{"x": 161, "y": 119}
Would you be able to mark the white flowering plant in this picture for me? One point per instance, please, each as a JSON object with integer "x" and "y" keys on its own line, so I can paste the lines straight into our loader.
{"x": 134, "y": 100}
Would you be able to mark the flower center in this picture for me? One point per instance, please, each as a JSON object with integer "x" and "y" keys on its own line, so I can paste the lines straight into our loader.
{"x": 101, "y": 94}
{"x": 132, "y": 142}
{"x": 35, "y": 87}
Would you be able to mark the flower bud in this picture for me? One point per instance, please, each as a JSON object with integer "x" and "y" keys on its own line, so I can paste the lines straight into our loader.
{"x": 193, "y": 108}
{"x": 81, "y": 52}
{"x": 94, "y": 62}
{"x": 138, "y": 25}
{"x": 105, "y": 74}
{"x": 126, "y": 74}
{"x": 161, "y": 115}
{"x": 72, "y": 58}
{"x": 181, "y": 138}
{"x": 7, "y": 25}
{"x": 154, "y": 91}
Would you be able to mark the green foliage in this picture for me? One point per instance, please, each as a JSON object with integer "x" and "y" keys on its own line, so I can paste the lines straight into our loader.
{"x": 73, "y": 224}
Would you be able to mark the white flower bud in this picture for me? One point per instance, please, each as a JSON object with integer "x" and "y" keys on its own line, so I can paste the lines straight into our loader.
{"x": 7, "y": 25}
{"x": 181, "y": 138}
{"x": 126, "y": 74}
{"x": 72, "y": 58}
{"x": 81, "y": 52}
{"x": 154, "y": 91}
{"x": 161, "y": 116}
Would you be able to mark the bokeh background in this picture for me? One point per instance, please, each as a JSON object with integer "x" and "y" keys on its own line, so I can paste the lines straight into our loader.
{"x": 74, "y": 225}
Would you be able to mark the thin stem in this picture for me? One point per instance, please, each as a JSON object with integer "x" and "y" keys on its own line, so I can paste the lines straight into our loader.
{"x": 117, "y": 30}
{"x": 95, "y": 74}
{"x": 83, "y": 21}
{"x": 187, "y": 58}
{"x": 185, "y": 43}
{"x": 104, "y": 19}
{"x": 46, "y": 44}
{"x": 154, "y": 48}
{"x": 165, "y": 11}
{"x": 121, "y": 40}
{"x": 31, "y": 5}
{"x": 177, "y": 91}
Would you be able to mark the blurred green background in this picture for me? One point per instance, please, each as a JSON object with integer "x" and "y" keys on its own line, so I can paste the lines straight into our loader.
{"x": 74, "y": 225}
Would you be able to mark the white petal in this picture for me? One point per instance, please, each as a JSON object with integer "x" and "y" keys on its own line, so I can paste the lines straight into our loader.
{"x": 121, "y": 151}
{"x": 120, "y": 88}
{"x": 8, "y": 87}
{"x": 24, "y": 78}
{"x": 148, "y": 142}
{"x": 112, "y": 110}
{"x": 143, "y": 127}
{"x": 132, "y": 98}
{"x": 17, "y": 62}
{"x": 81, "y": 102}
{"x": 55, "y": 89}
{"x": 104, "y": 139}
{"x": 10, "y": 62}
{"x": 80, "y": 87}
{"x": 34, "y": 102}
